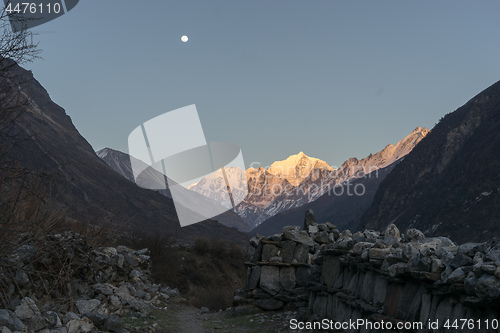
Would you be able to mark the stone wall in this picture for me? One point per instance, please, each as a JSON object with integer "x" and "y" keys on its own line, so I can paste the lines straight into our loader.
{"x": 281, "y": 267}
{"x": 378, "y": 276}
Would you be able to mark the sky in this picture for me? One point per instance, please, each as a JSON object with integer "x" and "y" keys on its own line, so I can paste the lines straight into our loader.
{"x": 334, "y": 79}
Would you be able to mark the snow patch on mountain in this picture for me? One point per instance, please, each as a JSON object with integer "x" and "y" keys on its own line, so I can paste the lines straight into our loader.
{"x": 214, "y": 186}
{"x": 297, "y": 167}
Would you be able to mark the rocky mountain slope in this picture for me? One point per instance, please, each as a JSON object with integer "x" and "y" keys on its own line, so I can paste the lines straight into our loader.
{"x": 449, "y": 184}
{"x": 301, "y": 179}
{"x": 354, "y": 168}
{"x": 120, "y": 162}
{"x": 341, "y": 205}
{"x": 298, "y": 180}
{"x": 262, "y": 185}
{"x": 81, "y": 184}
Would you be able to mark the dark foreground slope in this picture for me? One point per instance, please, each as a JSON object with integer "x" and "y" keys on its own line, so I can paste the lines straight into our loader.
{"x": 449, "y": 184}
{"x": 341, "y": 206}
{"x": 81, "y": 184}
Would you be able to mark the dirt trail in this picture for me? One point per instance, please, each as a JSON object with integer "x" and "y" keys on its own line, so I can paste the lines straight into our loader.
{"x": 179, "y": 317}
{"x": 190, "y": 320}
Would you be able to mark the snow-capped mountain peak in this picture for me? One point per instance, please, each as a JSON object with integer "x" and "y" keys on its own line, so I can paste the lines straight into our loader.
{"x": 214, "y": 186}
{"x": 297, "y": 167}
{"x": 296, "y": 180}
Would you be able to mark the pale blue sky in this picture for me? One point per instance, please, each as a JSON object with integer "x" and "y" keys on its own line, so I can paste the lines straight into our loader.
{"x": 334, "y": 79}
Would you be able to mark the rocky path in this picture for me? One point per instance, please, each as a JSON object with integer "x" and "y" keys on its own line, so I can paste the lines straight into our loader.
{"x": 182, "y": 318}
{"x": 190, "y": 320}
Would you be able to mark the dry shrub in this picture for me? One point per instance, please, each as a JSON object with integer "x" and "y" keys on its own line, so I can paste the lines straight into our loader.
{"x": 206, "y": 274}
{"x": 165, "y": 255}
{"x": 202, "y": 245}
{"x": 214, "y": 299}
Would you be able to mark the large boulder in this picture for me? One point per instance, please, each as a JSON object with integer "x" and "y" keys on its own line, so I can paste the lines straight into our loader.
{"x": 287, "y": 250}
{"x": 269, "y": 251}
{"x": 301, "y": 253}
{"x": 287, "y": 278}
{"x": 270, "y": 279}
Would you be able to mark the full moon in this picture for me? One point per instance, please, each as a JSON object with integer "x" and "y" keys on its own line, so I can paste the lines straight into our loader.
{"x": 184, "y": 38}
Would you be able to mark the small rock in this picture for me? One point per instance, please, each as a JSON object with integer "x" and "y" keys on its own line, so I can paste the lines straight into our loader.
{"x": 86, "y": 306}
{"x": 397, "y": 269}
{"x": 461, "y": 260}
{"x": 113, "y": 324}
{"x": 103, "y": 289}
{"x": 135, "y": 274}
{"x": 378, "y": 254}
{"x": 497, "y": 272}
{"x": 437, "y": 266}
{"x": 298, "y": 237}
{"x": 469, "y": 249}
{"x": 489, "y": 269}
{"x": 309, "y": 219}
{"x": 53, "y": 319}
{"x": 414, "y": 235}
{"x": 346, "y": 234}
{"x": 27, "y": 309}
{"x": 358, "y": 248}
{"x": 488, "y": 287}
{"x": 392, "y": 231}
{"x": 83, "y": 325}
{"x": 10, "y": 320}
{"x": 110, "y": 251}
{"x": 330, "y": 225}
{"x": 470, "y": 283}
{"x": 312, "y": 229}
{"x": 22, "y": 278}
{"x": 321, "y": 237}
{"x": 69, "y": 316}
{"x": 457, "y": 276}
{"x": 97, "y": 319}
{"x": 123, "y": 293}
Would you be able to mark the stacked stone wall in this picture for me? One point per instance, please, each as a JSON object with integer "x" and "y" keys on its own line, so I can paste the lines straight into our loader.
{"x": 404, "y": 279}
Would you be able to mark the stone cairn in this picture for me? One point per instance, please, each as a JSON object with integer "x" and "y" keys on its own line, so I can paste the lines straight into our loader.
{"x": 373, "y": 275}
{"x": 60, "y": 284}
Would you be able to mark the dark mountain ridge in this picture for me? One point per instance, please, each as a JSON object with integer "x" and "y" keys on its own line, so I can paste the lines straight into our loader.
{"x": 82, "y": 184}
{"x": 449, "y": 184}
{"x": 120, "y": 163}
